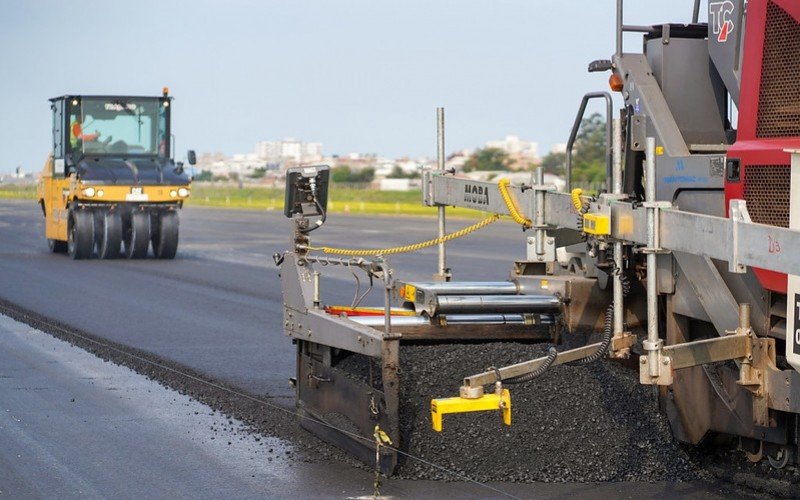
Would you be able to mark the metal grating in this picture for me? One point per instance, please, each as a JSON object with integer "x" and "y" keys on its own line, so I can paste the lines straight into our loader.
{"x": 766, "y": 191}
{"x": 779, "y": 95}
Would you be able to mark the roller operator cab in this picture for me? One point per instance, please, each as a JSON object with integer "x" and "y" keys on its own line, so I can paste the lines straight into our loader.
{"x": 110, "y": 186}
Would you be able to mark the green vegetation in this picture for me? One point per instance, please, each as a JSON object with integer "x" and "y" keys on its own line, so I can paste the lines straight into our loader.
{"x": 352, "y": 201}
{"x": 488, "y": 159}
{"x": 344, "y": 173}
{"x": 340, "y": 200}
{"x": 14, "y": 191}
{"x": 589, "y": 157}
{"x": 398, "y": 173}
{"x": 204, "y": 175}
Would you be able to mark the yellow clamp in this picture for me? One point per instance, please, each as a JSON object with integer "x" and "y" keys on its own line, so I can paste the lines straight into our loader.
{"x": 492, "y": 401}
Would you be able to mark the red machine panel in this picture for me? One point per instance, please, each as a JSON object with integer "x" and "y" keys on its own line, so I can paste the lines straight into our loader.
{"x": 769, "y": 119}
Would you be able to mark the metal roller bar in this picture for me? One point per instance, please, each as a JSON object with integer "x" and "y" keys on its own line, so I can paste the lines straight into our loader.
{"x": 468, "y": 287}
{"x": 458, "y": 319}
{"x": 497, "y": 319}
{"x": 497, "y": 303}
{"x": 397, "y": 321}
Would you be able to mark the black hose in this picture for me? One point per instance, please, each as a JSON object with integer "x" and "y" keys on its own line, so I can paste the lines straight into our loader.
{"x": 605, "y": 343}
{"x": 320, "y": 222}
{"x": 552, "y": 354}
{"x": 608, "y": 325}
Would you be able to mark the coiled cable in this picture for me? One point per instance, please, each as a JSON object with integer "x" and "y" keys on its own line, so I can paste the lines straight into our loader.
{"x": 552, "y": 354}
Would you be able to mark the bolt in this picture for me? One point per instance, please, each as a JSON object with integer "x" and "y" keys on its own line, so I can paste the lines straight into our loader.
{"x": 665, "y": 362}
{"x": 643, "y": 360}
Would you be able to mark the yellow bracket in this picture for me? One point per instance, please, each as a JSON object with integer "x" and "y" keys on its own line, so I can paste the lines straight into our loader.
{"x": 441, "y": 406}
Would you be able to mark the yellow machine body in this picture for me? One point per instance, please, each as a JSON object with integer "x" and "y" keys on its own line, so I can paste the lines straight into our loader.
{"x": 55, "y": 193}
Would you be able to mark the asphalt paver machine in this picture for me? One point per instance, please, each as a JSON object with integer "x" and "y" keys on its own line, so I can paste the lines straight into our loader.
{"x": 110, "y": 186}
{"x": 687, "y": 259}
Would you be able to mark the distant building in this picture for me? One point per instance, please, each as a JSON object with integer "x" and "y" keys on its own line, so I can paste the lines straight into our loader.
{"x": 524, "y": 153}
{"x": 560, "y": 147}
{"x": 289, "y": 151}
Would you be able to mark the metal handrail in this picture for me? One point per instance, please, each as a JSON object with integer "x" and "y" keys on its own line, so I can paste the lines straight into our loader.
{"x": 574, "y": 134}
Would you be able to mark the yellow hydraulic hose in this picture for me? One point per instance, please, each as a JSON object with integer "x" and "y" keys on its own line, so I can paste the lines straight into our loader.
{"x": 576, "y": 198}
{"x": 520, "y": 219}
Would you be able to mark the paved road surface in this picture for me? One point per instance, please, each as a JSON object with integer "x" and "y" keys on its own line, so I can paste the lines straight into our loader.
{"x": 217, "y": 310}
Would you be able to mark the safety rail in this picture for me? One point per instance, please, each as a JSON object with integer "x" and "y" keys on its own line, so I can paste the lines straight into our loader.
{"x": 574, "y": 135}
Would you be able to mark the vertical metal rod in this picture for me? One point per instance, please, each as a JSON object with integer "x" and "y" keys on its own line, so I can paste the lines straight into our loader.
{"x": 316, "y": 290}
{"x": 619, "y": 306}
{"x": 387, "y": 299}
{"x": 696, "y": 12}
{"x": 442, "y": 271}
{"x": 652, "y": 346}
{"x": 538, "y": 215}
{"x": 619, "y": 28}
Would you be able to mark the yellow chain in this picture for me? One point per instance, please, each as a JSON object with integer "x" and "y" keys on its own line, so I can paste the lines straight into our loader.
{"x": 520, "y": 219}
{"x": 408, "y": 248}
{"x": 363, "y": 252}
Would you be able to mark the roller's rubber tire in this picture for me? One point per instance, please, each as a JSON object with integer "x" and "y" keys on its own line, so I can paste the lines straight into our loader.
{"x": 80, "y": 234}
{"x": 165, "y": 235}
{"x": 57, "y": 246}
{"x": 136, "y": 237}
{"x": 109, "y": 239}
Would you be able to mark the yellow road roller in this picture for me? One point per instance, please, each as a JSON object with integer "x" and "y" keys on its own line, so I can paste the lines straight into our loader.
{"x": 110, "y": 186}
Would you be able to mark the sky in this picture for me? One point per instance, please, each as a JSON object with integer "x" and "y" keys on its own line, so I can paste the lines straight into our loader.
{"x": 356, "y": 75}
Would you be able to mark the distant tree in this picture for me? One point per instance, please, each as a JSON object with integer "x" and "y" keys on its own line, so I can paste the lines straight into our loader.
{"x": 553, "y": 163}
{"x": 204, "y": 175}
{"x": 488, "y": 159}
{"x": 365, "y": 175}
{"x": 398, "y": 173}
{"x": 589, "y": 160}
{"x": 344, "y": 173}
{"x": 341, "y": 173}
{"x": 258, "y": 173}
{"x": 234, "y": 176}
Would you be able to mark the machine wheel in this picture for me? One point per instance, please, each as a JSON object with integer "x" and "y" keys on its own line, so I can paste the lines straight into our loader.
{"x": 165, "y": 235}
{"x": 80, "y": 234}
{"x": 57, "y": 246}
{"x": 136, "y": 237}
{"x": 109, "y": 238}
{"x": 780, "y": 460}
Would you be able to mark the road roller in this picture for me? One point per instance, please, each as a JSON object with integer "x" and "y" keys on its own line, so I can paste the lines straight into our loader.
{"x": 110, "y": 186}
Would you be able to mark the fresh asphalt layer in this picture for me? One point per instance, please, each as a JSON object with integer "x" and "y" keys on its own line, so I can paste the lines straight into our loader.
{"x": 75, "y": 426}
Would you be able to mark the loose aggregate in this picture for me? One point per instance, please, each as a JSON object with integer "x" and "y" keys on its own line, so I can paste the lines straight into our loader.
{"x": 574, "y": 424}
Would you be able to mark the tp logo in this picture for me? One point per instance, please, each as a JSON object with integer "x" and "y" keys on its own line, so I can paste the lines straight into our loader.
{"x": 720, "y": 14}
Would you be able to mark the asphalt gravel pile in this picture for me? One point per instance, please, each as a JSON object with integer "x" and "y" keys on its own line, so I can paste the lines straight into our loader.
{"x": 573, "y": 424}
{"x": 579, "y": 424}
